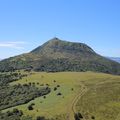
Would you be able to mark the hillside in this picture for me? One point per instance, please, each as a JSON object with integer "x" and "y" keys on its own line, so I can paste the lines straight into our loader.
{"x": 93, "y": 95}
{"x": 58, "y": 55}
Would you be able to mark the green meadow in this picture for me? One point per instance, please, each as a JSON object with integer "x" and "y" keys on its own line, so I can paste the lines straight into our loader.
{"x": 100, "y": 100}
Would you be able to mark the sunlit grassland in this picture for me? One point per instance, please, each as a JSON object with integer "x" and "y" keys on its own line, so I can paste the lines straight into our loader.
{"x": 102, "y": 99}
{"x": 102, "y": 89}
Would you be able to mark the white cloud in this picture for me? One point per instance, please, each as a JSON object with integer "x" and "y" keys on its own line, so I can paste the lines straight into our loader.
{"x": 15, "y": 44}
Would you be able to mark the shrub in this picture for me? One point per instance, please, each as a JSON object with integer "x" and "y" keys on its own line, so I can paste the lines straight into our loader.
{"x": 40, "y": 118}
{"x": 44, "y": 97}
{"x": 55, "y": 88}
{"x": 47, "y": 84}
{"x": 58, "y": 85}
{"x": 93, "y": 117}
{"x": 30, "y": 107}
{"x": 54, "y": 81}
{"x": 15, "y": 110}
{"x": 78, "y": 116}
{"x": 59, "y": 94}
{"x": 38, "y": 83}
{"x": 72, "y": 89}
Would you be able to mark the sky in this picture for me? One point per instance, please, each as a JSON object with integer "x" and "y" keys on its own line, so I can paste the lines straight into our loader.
{"x": 27, "y": 24}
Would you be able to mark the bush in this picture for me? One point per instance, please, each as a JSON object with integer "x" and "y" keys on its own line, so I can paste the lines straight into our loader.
{"x": 59, "y": 94}
{"x": 58, "y": 85}
{"x": 38, "y": 83}
{"x": 93, "y": 117}
{"x": 72, "y": 89}
{"x": 15, "y": 110}
{"x": 55, "y": 88}
{"x": 44, "y": 97}
{"x": 40, "y": 118}
{"x": 54, "y": 81}
{"x": 47, "y": 85}
{"x": 78, "y": 116}
{"x": 30, "y": 107}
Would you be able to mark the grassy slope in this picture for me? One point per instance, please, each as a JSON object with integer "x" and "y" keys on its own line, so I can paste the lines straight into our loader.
{"x": 99, "y": 96}
{"x": 102, "y": 100}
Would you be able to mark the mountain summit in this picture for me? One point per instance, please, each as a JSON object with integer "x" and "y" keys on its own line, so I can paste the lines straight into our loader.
{"x": 59, "y": 55}
{"x": 57, "y": 48}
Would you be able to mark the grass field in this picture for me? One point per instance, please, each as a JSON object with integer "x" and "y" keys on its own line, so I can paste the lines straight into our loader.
{"x": 101, "y": 100}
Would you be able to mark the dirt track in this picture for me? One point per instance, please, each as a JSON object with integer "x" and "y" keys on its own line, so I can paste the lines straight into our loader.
{"x": 71, "y": 108}
{"x": 118, "y": 117}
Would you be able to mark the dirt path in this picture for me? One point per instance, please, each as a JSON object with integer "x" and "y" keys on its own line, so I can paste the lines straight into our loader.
{"x": 71, "y": 108}
{"x": 118, "y": 117}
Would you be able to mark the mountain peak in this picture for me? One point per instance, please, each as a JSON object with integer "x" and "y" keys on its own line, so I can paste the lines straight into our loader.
{"x": 57, "y": 45}
{"x": 60, "y": 55}
{"x": 55, "y": 39}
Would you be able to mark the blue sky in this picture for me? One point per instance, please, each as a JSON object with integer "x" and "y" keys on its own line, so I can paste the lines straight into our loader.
{"x": 26, "y": 24}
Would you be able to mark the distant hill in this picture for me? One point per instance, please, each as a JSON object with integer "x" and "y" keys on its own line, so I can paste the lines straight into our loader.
{"x": 59, "y": 55}
{"x": 117, "y": 59}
